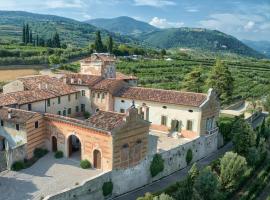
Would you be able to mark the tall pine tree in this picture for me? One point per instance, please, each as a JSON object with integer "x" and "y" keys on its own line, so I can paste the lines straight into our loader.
{"x": 98, "y": 43}
{"x": 56, "y": 40}
{"x": 23, "y": 34}
{"x": 30, "y": 36}
{"x": 27, "y": 34}
{"x": 194, "y": 80}
{"x": 221, "y": 80}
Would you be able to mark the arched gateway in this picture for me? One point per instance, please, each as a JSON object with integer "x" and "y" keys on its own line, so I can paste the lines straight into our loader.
{"x": 74, "y": 147}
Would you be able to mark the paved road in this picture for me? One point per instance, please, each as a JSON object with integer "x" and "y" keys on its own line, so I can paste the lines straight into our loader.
{"x": 173, "y": 178}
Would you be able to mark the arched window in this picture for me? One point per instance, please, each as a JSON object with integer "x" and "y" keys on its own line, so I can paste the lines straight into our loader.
{"x": 124, "y": 155}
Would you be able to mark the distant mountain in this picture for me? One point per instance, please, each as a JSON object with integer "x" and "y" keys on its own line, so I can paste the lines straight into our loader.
{"x": 261, "y": 46}
{"x": 72, "y": 32}
{"x": 197, "y": 38}
{"x": 123, "y": 25}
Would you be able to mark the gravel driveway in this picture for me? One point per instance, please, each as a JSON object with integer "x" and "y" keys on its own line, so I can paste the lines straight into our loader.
{"x": 47, "y": 176}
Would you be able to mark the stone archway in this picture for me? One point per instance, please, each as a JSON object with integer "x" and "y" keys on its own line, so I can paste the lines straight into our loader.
{"x": 74, "y": 147}
{"x": 97, "y": 159}
{"x": 54, "y": 144}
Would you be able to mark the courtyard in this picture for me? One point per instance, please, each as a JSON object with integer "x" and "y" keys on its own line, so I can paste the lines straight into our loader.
{"x": 47, "y": 176}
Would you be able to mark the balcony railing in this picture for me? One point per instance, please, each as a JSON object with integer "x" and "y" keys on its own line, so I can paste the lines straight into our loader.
{"x": 212, "y": 131}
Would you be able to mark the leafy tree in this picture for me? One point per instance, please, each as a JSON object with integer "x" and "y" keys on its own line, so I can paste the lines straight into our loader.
{"x": 147, "y": 196}
{"x": 163, "y": 52}
{"x": 54, "y": 60}
{"x": 232, "y": 169}
{"x": 185, "y": 190}
{"x": 157, "y": 165}
{"x": 243, "y": 136}
{"x": 194, "y": 80}
{"x": 221, "y": 80}
{"x": 163, "y": 197}
{"x": 98, "y": 43}
{"x": 193, "y": 172}
{"x": 110, "y": 44}
{"x": 207, "y": 185}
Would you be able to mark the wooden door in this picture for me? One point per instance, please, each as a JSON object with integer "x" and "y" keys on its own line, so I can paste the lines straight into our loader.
{"x": 97, "y": 159}
{"x": 54, "y": 144}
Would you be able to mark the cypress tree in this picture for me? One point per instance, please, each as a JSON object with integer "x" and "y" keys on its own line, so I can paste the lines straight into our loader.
{"x": 56, "y": 40}
{"x": 110, "y": 44}
{"x": 37, "y": 40}
{"x": 30, "y": 37}
{"x": 98, "y": 43}
{"x": 23, "y": 34}
{"x": 27, "y": 34}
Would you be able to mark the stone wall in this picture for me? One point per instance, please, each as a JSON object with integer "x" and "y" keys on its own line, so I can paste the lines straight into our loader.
{"x": 3, "y": 161}
{"x": 125, "y": 180}
{"x": 17, "y": 153}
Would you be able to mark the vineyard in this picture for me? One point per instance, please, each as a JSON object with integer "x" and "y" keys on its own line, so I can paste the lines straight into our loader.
{"x": 252, "y": 76}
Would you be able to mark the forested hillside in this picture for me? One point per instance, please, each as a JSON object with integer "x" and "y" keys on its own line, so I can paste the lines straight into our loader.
{"x": 123, "y": 25}
{"x": 197, "y": 38}
{"x": 72, "y": 32}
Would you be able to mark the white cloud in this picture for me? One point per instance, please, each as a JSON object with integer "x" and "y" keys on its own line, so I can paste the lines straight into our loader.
{"x": 249, "y": 26}
{"x": 154, "y": 3}
{"x": 64, "y": 4}
{"x": 164, "y": 23}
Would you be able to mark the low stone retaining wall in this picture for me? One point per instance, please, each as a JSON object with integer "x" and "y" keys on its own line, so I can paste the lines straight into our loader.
{"x": 14, "y": 154}
{"x": 138, "y": 176}
{"x": 3, "y": 161}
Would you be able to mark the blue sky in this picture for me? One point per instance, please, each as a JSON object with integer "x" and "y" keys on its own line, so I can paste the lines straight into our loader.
{"x": 244, "y": 19}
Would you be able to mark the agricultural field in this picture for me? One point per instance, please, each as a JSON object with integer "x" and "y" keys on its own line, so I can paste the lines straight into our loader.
{"x": 251, "y": 76}
{"x": 11, "y": 74}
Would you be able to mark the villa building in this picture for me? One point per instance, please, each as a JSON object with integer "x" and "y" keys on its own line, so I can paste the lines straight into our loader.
{"x": 44, "y": 111}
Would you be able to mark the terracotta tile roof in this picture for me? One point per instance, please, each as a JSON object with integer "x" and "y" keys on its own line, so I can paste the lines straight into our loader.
{"x": 110, "y": 85}
{"x": 52, "y": 84}
{"x": 121, "y": 76}
{"x": 163, "y": 96}
{"x": 17, "y": 115}
{"x": 81, "y": 79}
{"x": 30, "y": 96}
{"x": 99, "y": 56}
{"x": 106, "y": 120}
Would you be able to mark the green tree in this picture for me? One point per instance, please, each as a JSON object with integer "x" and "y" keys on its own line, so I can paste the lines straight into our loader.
{"x": 98, "y": 43}
{"x": 193, "y": 172}
{"x": 110, "y": 44}
{"x": 221, "y": 80}
{"x": 27, "y": 34}
{"x": 243, "y": 136}
{"x": 207, "y": 185}
{"x": 54, "y": 60}
{"x": 23, "y": 34}
{"x": 232, "y": 169}
{"x": 163, "y": 197}
{"x": 163, "y": 52}
{"x": 194, "y": 80}
{"x": 147, "y": 196}
{"x": 30, "y": 37}
{"x": 56, "y": 41}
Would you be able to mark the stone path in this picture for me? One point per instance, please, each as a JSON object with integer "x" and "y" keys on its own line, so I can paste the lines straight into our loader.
{"x": 173, "y": 178}
{"x": 47, "y": 176}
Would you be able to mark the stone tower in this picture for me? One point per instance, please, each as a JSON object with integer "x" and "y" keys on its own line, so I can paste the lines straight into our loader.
{"x": 99, "y": 64}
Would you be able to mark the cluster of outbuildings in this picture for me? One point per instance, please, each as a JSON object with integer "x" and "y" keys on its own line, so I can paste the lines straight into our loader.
{"x": 48, "y": 112}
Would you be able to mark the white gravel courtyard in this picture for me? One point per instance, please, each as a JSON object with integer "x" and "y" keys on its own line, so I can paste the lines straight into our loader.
{"x": 47, "y": 176}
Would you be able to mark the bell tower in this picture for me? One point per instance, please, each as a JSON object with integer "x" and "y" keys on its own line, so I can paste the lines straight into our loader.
{"x": 99, "y": 64}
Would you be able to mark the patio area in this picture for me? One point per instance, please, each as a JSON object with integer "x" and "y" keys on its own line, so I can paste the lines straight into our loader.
{"x": 47, "y": 176}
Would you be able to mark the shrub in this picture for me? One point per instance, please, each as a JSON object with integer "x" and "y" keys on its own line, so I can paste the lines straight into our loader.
{"x": 189, "y": 156}
{"x": 85, "y": 164}
{"x": 39, "y": 153}
{"x": 157, "y": 165}
{"x": 18, "y": 165}
{"x": 107, "y": 188}
{"x": 58, "y": 154}
{"x": 86, "y": 115}
{"x": 232, "y": 169}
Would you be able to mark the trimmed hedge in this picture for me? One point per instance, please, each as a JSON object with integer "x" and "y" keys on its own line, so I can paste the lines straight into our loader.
{"x": 58, "y": 154}
{"x": 85, "y": 164}
{"x": 189, "y": 156}
{"x": 157, "y": 165}
{"x": 107, "y": 188}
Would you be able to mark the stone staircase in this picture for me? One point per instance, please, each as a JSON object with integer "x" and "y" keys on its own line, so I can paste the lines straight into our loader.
{"x": 3, "y": 161}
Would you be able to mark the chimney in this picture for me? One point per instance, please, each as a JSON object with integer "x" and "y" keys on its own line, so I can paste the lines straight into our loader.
{"x": 9, "y": 113}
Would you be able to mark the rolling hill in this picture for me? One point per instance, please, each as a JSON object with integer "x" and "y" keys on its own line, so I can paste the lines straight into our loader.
{"x": 260, "y": 46}
{"x": 197, "y": 38}
{"x": 72, "y": 32}
{"x": 123, "y": 25}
